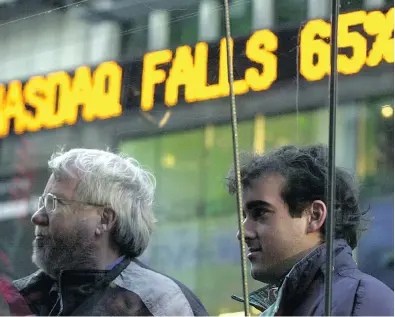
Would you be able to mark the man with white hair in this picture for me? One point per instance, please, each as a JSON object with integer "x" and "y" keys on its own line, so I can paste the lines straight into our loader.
{"x": 93, "y": 221}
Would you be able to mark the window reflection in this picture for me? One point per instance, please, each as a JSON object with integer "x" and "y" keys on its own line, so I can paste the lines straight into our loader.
{"x": 290, "y": 12}
{"x": 134, "y": 37}
{"x": 192, "y": 202}
{"x": 241, "y": 17}
{"x": 377, "y": 156}
{"x": 184, "y": 24}
{"x": 347, "y": 5}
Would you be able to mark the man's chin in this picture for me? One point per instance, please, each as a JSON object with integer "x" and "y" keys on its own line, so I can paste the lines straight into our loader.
{"x": 37, "y": 259}
{"x": 40, "y": 263}
{"x": 257, "y": 272}
{"x": 264, "y": 275}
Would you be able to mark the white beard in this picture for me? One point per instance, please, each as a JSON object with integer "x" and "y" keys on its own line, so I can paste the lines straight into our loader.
{"x": 54, "y": 255}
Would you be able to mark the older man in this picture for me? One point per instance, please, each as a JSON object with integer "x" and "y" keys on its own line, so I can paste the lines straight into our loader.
{"x": 93, "y": 220}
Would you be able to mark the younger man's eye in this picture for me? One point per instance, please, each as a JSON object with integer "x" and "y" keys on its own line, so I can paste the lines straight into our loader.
{"x": 258, "y": 212}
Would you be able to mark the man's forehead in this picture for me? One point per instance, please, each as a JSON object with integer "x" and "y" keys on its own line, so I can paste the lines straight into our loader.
{"x": 61, "y": 186}
{"x": 264, "y": 188}
{"x": 267, "y": 183}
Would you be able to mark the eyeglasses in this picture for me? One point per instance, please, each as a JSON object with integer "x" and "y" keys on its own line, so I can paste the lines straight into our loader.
{"x": 50, "y": 202}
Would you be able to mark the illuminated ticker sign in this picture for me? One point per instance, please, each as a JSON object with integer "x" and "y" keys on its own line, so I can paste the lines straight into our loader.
{"x": 48, "y": 102}
{"x": 365, "y": 38}
{"x": 192, "y": 74}
{"x": 192, "y": 71}
{"x": 375, "y": 23}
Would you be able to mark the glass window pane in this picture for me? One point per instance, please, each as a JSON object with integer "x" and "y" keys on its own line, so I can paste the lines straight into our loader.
{"x": 184, "y": 25}
{"x": 134, "y": 37}
{"x": 176, "y": 159}
{"x": 241, "y": 17}
{"x": 312, "y": 127}
{"x": 290, "y": 12}
{"x": 143, "y": 150}
{"x": 179, "y": 188}
{"x": 376, "y": 162}
{"x": 192, "y": 203}
{"x": 220, "y": 255}
{"x": 219, "y": 159}
{"x": 347, "y": 5}
{"x": 295, "y": 129}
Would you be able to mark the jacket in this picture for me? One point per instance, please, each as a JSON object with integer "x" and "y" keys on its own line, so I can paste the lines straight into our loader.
{"x": 128, "y": 289}
{"x": 302, "y": 291}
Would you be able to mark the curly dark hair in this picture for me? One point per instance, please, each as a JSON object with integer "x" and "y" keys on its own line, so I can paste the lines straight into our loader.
{"x": 305, "y": 172}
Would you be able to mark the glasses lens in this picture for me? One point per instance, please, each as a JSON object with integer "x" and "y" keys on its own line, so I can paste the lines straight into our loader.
{"x": 49, "y": 203}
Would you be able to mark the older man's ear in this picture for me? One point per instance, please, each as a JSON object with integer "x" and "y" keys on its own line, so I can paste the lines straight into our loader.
{"x": 108, "y": 219}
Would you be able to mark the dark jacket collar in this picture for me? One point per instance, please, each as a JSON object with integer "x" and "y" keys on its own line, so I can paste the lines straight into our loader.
{"x": 72, "y": 287}
{"x": 301, "y": 276}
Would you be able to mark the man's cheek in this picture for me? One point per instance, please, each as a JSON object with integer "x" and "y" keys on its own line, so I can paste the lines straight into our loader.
{"x": 59, "y": 229}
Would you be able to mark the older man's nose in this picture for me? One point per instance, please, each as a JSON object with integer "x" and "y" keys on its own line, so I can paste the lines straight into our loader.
{"x": 40, "y": 218}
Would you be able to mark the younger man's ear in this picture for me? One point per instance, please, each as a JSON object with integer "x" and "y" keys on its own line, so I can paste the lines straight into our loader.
{"x": 317, "y": 213}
